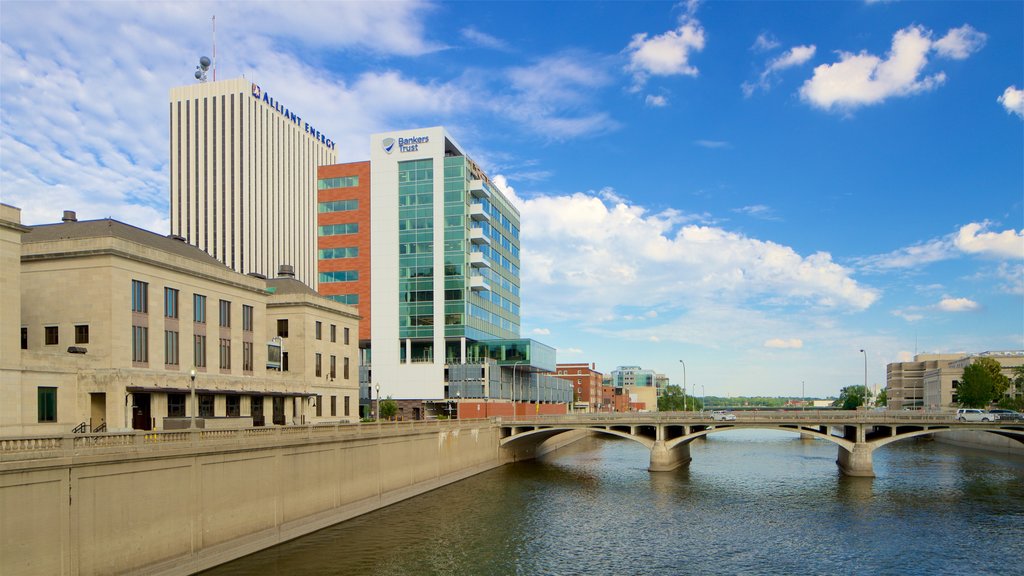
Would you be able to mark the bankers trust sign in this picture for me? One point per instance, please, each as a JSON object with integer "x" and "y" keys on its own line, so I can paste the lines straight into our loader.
{"x": 259, "y": 94}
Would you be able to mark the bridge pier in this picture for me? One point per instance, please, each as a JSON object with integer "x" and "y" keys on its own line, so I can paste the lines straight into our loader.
{"x": 665, "y": 460}
{"x": 858, "y": 462}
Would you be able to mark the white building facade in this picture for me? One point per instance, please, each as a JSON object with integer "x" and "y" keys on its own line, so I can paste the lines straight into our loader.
{"x": 243, "y": 170}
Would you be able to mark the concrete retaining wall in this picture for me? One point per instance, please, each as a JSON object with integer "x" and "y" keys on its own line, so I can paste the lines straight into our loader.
{"x": 180, "y": 502}
{"x": 981, "y": 440}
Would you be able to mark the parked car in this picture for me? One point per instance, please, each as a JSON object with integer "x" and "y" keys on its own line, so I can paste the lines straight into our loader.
{"x": 722, "y": 415}
{"x": 975, "y": 415}
{"x": 1007, "y": 414}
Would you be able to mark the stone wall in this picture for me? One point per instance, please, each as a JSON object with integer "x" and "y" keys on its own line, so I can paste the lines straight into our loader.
{"x": 178, "y": 502}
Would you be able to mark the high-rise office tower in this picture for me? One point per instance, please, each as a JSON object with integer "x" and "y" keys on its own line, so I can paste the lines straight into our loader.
{"x": 243, "y": 177}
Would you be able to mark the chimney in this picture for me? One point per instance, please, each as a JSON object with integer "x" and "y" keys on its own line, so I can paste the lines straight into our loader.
{"x": 286, "y": 271}
{"x": 69, "y": 216}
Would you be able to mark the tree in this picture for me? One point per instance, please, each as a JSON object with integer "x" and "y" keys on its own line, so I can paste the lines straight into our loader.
{"x": 851, "y": 397}
{"x": 671, "y": 399}
{"x": 388, "y": 408}
{"x": 883, "y": 398}
{"x": 983, "y": 383}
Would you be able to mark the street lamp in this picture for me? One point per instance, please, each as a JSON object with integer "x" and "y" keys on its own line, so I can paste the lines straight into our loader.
{"x": 703, "y": 398}
{"x": 803, "y": 396}
{"x": 865, "y": 378}
{"x": 684, "y": 384}
{"x": 512, "y": 393}
{"x": 192, "y": 390}
{"x": 377, "y": 412}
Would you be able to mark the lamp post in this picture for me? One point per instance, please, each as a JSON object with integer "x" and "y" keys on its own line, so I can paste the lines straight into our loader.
{"x": 458, "y": 400}
{"x": 512, "y": 393}
{"x": 192, "y": 391}
{"x": 865, "y": 377}
{"x": 377, "y": 412}
{"x": 803, "y": 396}
{"x": 684, "y": 384}
{"x": 703, "y": 398}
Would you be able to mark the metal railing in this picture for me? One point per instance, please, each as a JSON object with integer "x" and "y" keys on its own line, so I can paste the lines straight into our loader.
{"x": 796, "y": 416}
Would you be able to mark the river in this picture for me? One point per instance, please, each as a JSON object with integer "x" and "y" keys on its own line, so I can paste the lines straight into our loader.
{"x": 750, "y": 502}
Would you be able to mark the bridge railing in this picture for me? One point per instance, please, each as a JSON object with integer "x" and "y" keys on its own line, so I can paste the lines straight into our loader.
{"x": 73, "y": 445}
{"x": 804, "y": 416}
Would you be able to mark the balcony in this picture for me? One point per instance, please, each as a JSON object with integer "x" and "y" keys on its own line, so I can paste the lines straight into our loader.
{"x": 479, "y": 189}
{"x": 476, "y": 212}
{"x": 478, "y": 284}
{"x": 477, "y": 236}
{"x": 478, "y": 260}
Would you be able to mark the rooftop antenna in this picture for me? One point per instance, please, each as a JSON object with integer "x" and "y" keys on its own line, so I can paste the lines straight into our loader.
{"x": 204, "y": 65}
{"x": 214, "y": 47}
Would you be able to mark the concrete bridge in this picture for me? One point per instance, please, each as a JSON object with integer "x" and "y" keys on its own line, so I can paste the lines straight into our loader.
{"x": 668, "y": 434}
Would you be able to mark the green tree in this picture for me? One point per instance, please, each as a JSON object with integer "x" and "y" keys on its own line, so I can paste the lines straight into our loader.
{"x": 388, "y": 408}
{"x": 983, "y": 383}
{"x": 671, "y": 399}
{"x": 851, "y": 397}
{"x": 883, "y": 398}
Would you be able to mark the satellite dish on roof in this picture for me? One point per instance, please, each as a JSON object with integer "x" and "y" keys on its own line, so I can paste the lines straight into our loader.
{"x": 204, "y": 65}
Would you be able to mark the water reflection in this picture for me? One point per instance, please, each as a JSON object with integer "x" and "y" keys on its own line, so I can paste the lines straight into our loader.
{"x": 750, "y": 502}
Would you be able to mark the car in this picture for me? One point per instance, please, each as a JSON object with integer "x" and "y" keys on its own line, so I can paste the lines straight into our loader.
{"x": 1007, "y": 414}
{"x": 722, "y": 415}
{"x": 975, "y": 415}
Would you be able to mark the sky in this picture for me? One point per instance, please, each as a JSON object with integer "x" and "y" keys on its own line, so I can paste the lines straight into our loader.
{"x": 760, "y": 190}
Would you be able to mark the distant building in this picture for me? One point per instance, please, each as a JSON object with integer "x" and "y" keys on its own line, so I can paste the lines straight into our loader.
{"x": 587, "y": 385}
{"x": 113, "y": 319}
{"x": 243, "y": 174}
{"x": 930, "y": 381}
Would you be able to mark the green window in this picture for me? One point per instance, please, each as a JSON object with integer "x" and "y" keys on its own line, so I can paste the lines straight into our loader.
{"x": 341, "y": 182}
{"x": 339, "y": 276}
{"x": 350, "y": 299}
{"x": 338, "y": 253}
{"x": 338, "y": 229}
{"x": 47, "y": 399}
{"x": 338, "y": 206}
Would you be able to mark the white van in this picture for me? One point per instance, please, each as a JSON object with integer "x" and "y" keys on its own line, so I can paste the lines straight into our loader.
{"x": 975, "y": 415}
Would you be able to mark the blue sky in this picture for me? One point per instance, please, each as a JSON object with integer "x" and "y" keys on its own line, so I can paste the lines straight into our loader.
{"x": 761, "y": 189}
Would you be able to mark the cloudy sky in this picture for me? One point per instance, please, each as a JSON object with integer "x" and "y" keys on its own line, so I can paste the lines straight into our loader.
{"x": 759, "y": 189}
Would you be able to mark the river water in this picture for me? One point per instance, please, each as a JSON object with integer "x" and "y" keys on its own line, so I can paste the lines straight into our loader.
{"x": 750, "y": 502}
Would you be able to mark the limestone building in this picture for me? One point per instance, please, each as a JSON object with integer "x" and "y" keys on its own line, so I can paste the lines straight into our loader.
{"x": 243, "y": 177}
{"x": 113, "y": 319}
{"x": 929, "y": 382}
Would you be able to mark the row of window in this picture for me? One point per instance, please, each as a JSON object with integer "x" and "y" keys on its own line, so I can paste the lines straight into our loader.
{"x": 51, "y": 335}
{"x": 338, "y": 229}
{"x": 338, "y": 206}
{"x": 339, "y": 276}
{"x": 350, "y": 299}
{"x": 341, "y": 182}
{"x": 140, "y": 304}
{"x": 338, "y": 253}
{"x": 318, "y": 326}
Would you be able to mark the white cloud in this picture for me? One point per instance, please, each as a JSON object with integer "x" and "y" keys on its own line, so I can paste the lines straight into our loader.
{"x": 541, "y": 331}
{"x": 712, "y": 143}
{"x": 973, "y": 239}
{"x": 1013, "y": 100}
{"x": 1011, "y": 278}
{"x": 864, "y": 79}
{"x": 957, "y": 305}
{"x": 483, "y": 39}
{"x": 795, "y": 56}
{"x": 959, "y": 43}
{"x": 665, "y": 54}
{"x": 794, "y": 343}
{"x": 758, "y": 211}
{"x": 910, "y": 314}
{"x": 764, "y": 43}
{"x": 911, "y": 256}
{"x": 656, "y": 101}
{"x": 614, "y": 254}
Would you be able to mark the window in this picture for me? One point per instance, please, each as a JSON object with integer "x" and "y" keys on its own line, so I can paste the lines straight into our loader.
{"x": 206, "y": 405}
{"x": 170, "y": 347}
{"x": 247, "y": 349}
{"x": 24, "y": 338}
{"x": 199, "y": 308}
{"x": 225, "y": 353}
{"x": 175, "y": 405}
{"x": 319, "y": 405}
{"x": 47, "y": 398}
{"x": 334, "y": 405}
{"x": 346, "y": 336}
{"x": 284, "y": 362}
{"x": 246, "y": 318}
{"x": 170, "y": 303}
{"x": 52, "y": 335}
{"x": 199, "y": 351}
{"x": 319, "y": 330}
{"x": 334, "y": 366}
{"x": 344, "y": 374}
{"x": 339, "y": 182}
{"x": 350, "y": 299}
{"x": 233, "y": 406}
{"x": 346, "y": 405}
{"x": 140, "y": 344}
{"x": 338, "y": 205}
{"x": 339, "y": 276}
{"x": 140, "y": 296}
{"x": 282, "y": 327}
{"x": 334, "y": 333}
{"x": 316, "y": 363}
{"x": 338, "y": 229}
{"x": 338, "y": 253}
{"x": 81, "y": 334}
{"x": 225, "y": 313}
